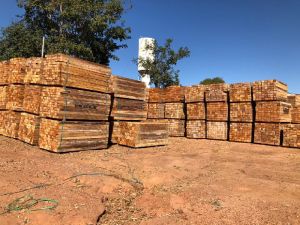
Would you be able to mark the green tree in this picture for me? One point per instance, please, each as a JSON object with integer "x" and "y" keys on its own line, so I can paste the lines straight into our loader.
{"x": 215, "y": 80}
{"x": 161, "y": 68}
{"x": 89, "y": 29}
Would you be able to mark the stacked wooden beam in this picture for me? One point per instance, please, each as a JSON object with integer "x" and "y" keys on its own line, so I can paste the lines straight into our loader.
{"x": 267, "y": 133}
{"x": 195, "y": 111}
{"x": 269, "y": 90}
{"x": 291, "y": 135}
{"x": 156, "y": 110}
{"x": 217, "y": 111}
{"x": 273, "y": 111}
{"x": 241, "y": 112}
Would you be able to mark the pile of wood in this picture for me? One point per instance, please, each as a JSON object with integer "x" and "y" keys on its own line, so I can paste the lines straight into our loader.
{"x": 217, "y": 111}
{"x": 240, "y": 92}
{"x": 294, "y": 100}
{"x": 291, "y": 135}
{"x": 217, "y": 130}
{"x": 143, "y": 134}
{"x": 196, "y": 129}
{"x": 269, "y": 90}
{"x": 156, "y": 111}
{"x": 295, "y": 115}
{"x": 241, "y": 112}
{"x": 273, "y": 111}
{"x": 240, "y": 132}
{"x": 267, "y": 133}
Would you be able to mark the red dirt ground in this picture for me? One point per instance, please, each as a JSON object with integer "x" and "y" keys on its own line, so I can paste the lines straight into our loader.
{"x": 187, "y": 182}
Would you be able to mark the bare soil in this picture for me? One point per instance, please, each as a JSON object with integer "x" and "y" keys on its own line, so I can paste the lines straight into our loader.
{"x": 187, "y": 182}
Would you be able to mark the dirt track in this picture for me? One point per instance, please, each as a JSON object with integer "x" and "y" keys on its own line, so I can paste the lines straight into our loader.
{"x": 187, "y": 182}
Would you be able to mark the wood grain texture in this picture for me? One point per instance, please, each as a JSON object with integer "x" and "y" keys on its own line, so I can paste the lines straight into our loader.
{"x": 195, "y": 93}
{"x": 217, "y": 111}
{"x": 4, "y": 72}
{"x": 156, "y": 111}
{"x": 294, "y": 100}
{"x": 3, "y": 97}
{"x": 60, "y": 137}
{"x": 195, "y": 111}
{"x": 143, "y": 134}
{"x": 273, "y": 111}
{"x": 176, "y": 128}
{"x": 240, "y": 92}
{"x": 15, "y": 97}
{"x": 267, "y": 133}
{"x": 174, "y": 111}
{"x": 32, "y": 99}
{"x": 29, "y": 128}
{"x": 217, "y": 130}
{"x": 196, "y": 129}
{"x": 11, "y": 124}
{"x": 170, "y": 94}
{"x": 241, "y": 112}
{"x": 74, "y": 104}
{"x": 3, "y": 115}
{"x": 291, "y": 136}
{"x": 17, "y": 70}
{"x": 295, "y": 114}
{"x": 269, "y": 90}
{"x": 240, "y": 132}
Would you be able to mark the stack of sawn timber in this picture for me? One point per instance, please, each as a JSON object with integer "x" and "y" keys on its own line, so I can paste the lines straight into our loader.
{"x": 168, "y": 105}
{"x": 129, "y": 112}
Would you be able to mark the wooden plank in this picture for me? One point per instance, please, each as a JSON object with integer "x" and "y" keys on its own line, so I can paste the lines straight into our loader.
{"x": 4, "y": 72}
{"x": 174, "y": 111}
{"x": 240, "y": 92}
{"x": 174, "y": 94}
{"x": 217, "y": 130}
{"x": 196, "y": 129}
{"x": 295, "y": 114}
{"x": 17, "y": 70}
{"x": 128, "y": 88}
{"x": 115, "y": 132}
{"x": 60, "y": 137}
{"x": 156, "y": 95}
{"x": 29, "y": 128}
{"x": 291, "y": 136}
{"x": 3, "y": 97}
{"x": 195, "y": 94}
{"x": 3, "y": 115}
{"x": 32, "y": 99}
{"x": 294, "y": 100}
{"x": 129, "y": 109}
{"x": 195, "y": 111}
{"x": 11, "y": 124}
{"x": 241, "y": 132}
{"x": 267, "y": 133}
{"x": 73, "y": 104}
{"x": 269, "y": 90}
{"x": 15, "y": 97}
{"x": 273, "y": 111}
{"x": 217, "y": 111}
{"x": 216, "y": 92}
{"x": 176, "y": 127}
{"x": 143, "y": 134}
{"x": 156, "y": 111}
{"x": 241, "y": 112}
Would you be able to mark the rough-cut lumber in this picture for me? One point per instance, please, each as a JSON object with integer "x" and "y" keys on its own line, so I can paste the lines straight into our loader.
{"x": 11, "y": 124}
{"x": 273, "y": 111}
{"x": 217, "y": 111}
{"x": 114, "y": 131}
{"x": 216, "y": 92}
{"x": 17, "y": 70}
{"x": 67, "y": 71}
{"x": 143, "y": 134}
{"x": 195, "y": 111}
{"x": 269, "y": 90}
{"x": 3, "y": 115}
{"x": 267, "y": 133}
{"x": 291, "y": 135}
{"x": 128, "y": 88}
{"x": 195, "y": 93}
{"x": 32, "y": 98}
{"x": 296, "y": 114}
{"x": 174, "y": 111}
{"x": 4, "y": 72}
{"x": 156, "y": 95}
{"x": 174, "y": 94}
{"x": 29, "y": 128}
{"x": 294, "y": 100}
{"x": 129, "y": 109}
{"x": 176, "y": 128}
{"x": 196, "y": 129}
{"x": 15, "y": 97}
{"x": 240, "y": 92}
{"x": 156, "y": 111}
{"x": 73, "y": 104}
{"x": 240, "y": 132}
{"x": 60, "y": 137}
{"x": 3, "y": 97}
{"x": 217, "y": 130}
{"x": 241, "y": 112}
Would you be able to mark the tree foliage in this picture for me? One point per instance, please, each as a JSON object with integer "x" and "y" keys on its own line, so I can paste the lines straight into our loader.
{"x": 161, "y": 68}
{"x": 215, "y": 80}
{"x": 89, "y": 29}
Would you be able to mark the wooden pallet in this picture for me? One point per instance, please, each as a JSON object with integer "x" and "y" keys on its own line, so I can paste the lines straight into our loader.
{"x": 156, "y": 111}
{"x": 174, "y": 111}
{"x": 240, "y": 132}
{"x": 240, "y": 92}
{"x": 29, "y": 128}
{"x": 11, "y": 124}
{"x": 128, "y": 88}
{"x": 74, "y": 104}
{"x": 196, "y": 129}
{"x": 67, "y": 71}
{"x": 58, "y": 136}
{"x": 295, "y": 114}
{"x": 267, "y": 133}
{"x": 241, "y": 112}
{"x": 4, "y": 72}
{"x": 195, "y": 93}
{"x": 143, "y": 134}
{"x": 217, "y": 130}
{"x": 129, "y": 109}
{"x": 217, "y": 111}
{"x": 15, "y": 97}
{"x": 269, "y": 90}
{"x": 3, "y": 97}
{"x": 32, "y": 99}
{"x": 291, "y": 136}
{"x": 273, "y": 111}
{"x": 195, "y": 111}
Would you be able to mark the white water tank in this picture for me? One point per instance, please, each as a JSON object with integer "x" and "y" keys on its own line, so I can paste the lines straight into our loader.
{"x": 145, "y": 54}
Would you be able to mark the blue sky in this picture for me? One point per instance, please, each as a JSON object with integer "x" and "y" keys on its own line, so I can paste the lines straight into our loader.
{"x": 239, "y": 40}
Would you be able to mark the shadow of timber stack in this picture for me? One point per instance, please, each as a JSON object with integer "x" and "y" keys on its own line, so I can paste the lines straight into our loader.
{"x": 216, "y": 98}
{"x": 167, "y": 105}
{"x": 241, "y": 112}
{"x": 273, "y": 113}
{"x": 195, "y": 112}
